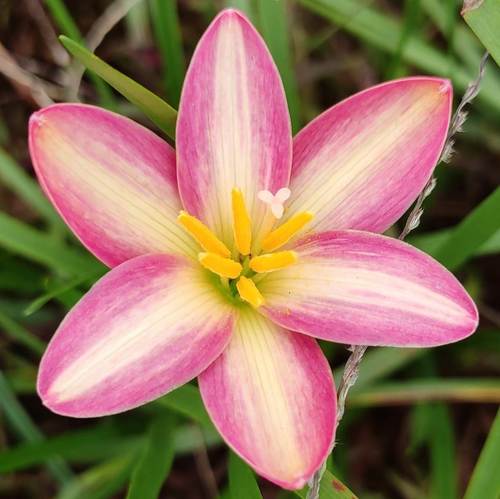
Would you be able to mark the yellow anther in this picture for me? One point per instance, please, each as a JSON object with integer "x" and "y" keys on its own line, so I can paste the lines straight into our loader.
{"x": 248, "y": 291}
{"x": 285, "y": 232}
{"x": 242, "y": 226}
{"x": 225, "y": 267}
{"x": 203, "y": 235}
{"x": 273, "y": 261}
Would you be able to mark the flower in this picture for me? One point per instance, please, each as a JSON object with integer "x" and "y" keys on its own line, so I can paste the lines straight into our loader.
{"x": 205, "y": 282}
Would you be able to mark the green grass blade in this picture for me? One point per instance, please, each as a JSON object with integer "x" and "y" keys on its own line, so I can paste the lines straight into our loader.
{"x": 273, "y": 24}
{"x": 168, "y": 37}
{"x": 471, "y": 233}
{"x": 155, "y": 462}
{"x": 156, "y": 109}
{"x": 21, "y": 335}
{"x": 409, "y": 27}
{"x": 245, "y": 6}
{"x": 24, "y": 426}
{"x": 483, "y": 17}
{"x": 22, "y": 239}
{"x": 383, "y": 31}
{"x": 431, "y": 242}
{"x": 186, "y": 400}
{"x": 67, "y": 25}
{"x": 39, "y": 302}
{"x": 19, "y": 182}
{"x": 101, "y": 481}
{"x": 330, "y": 488}
{"x": 79, "y": 447}
{"x": 442, "y": 449}
{"x": 242, "y": 481}
{"x": 481, "y": 390}
{"x": 485, "y": 480}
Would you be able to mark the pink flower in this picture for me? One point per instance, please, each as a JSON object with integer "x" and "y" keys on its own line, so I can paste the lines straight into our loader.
{"x": 205, "y": 282}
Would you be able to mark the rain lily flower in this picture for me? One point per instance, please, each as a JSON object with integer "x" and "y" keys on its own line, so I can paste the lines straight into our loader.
{"x": 232, "y": 254}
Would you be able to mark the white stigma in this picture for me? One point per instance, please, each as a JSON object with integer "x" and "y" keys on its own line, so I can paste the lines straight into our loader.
{"x": 275, "y": 201}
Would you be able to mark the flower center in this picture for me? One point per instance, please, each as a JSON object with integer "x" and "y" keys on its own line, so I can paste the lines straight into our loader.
{"x": 240, "y": 272}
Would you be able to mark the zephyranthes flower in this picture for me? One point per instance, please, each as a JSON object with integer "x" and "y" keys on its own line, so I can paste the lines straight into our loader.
{"x": 232, "y": 254}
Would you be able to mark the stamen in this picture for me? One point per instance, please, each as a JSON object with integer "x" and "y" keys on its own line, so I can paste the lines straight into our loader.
{"x": 225, "y": 267}
{"x": 273, "y": 261}
{"x": 285, "y": 232}
{"x": 203, "y": 235}
{"x": 242, "y": 227}
{"x": 248, "y": 291}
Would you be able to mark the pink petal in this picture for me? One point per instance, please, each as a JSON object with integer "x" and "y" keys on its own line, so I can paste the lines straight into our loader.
{"x": 272, "y": 398}
{"x": 148, "y": 326}
{"x": 112, "y": 180}
{"x": 233, "y": 128}
{"x": 366, "y": 289}
{"x": 363, "y": 162}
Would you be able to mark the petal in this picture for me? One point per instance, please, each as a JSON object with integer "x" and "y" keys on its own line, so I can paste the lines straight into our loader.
{"x": 272, "y": 398}
{"x": 366, "y": 289}
{"x": 112, "y": 180}
{"x": 233, "y": 128}
{"x": 364, "y": 161}
{"x": 148, "y": 326}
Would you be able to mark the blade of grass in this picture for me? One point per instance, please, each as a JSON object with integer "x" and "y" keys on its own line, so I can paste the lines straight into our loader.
{"x": 485, "y": 480}
{"x": 330, "y": 488}
{"x": 482, "y": 390}
{"x": 19, "y": 182}
{"x": 24, "y": 240}
{"x": 21, "y": 334}
{"x": 39, "y": 302}
{"x": 27, "y": 430}
{"x": 383, "y": 31}
{"x": 101, "y": 481}
{"x": 471, "y": 233}
{"x": 483, "y": 17}
{"x": 168, "y": 38}
{"x": 157, "y": 110}
{"x": 430, "y": 242}
{"x": 442, "y": 449}
{"x": 242, "y": 481}
{"x": 273, "y": 24}
{"x": 154, "y": 464}
{"x": 411, "y": 20}
{"x": 67, "y": 25}
{"x": 80, "y": 446}
{"x": 245, "y": 6}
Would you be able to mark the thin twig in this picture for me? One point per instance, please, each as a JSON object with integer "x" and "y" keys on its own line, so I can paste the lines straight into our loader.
{"x": 457, "y": 121}
{"x": 35, "y": 9}
{"x": 41, "y": 91}
{"x": 351, "y": 370}
{"x": 101, "y": 27}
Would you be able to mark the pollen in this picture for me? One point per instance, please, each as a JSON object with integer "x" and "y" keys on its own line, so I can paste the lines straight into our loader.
{"x": 225, "y": 267}
{"x": 203, "y": 235}
{"x": 242, "y": 227}
{"x": 273, "y": 261}
{"x": 248, "y": 291}
{"x": 285, "y": 232}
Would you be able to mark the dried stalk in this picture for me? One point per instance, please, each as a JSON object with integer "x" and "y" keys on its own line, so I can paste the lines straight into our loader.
{"x": 351, "y": 370}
